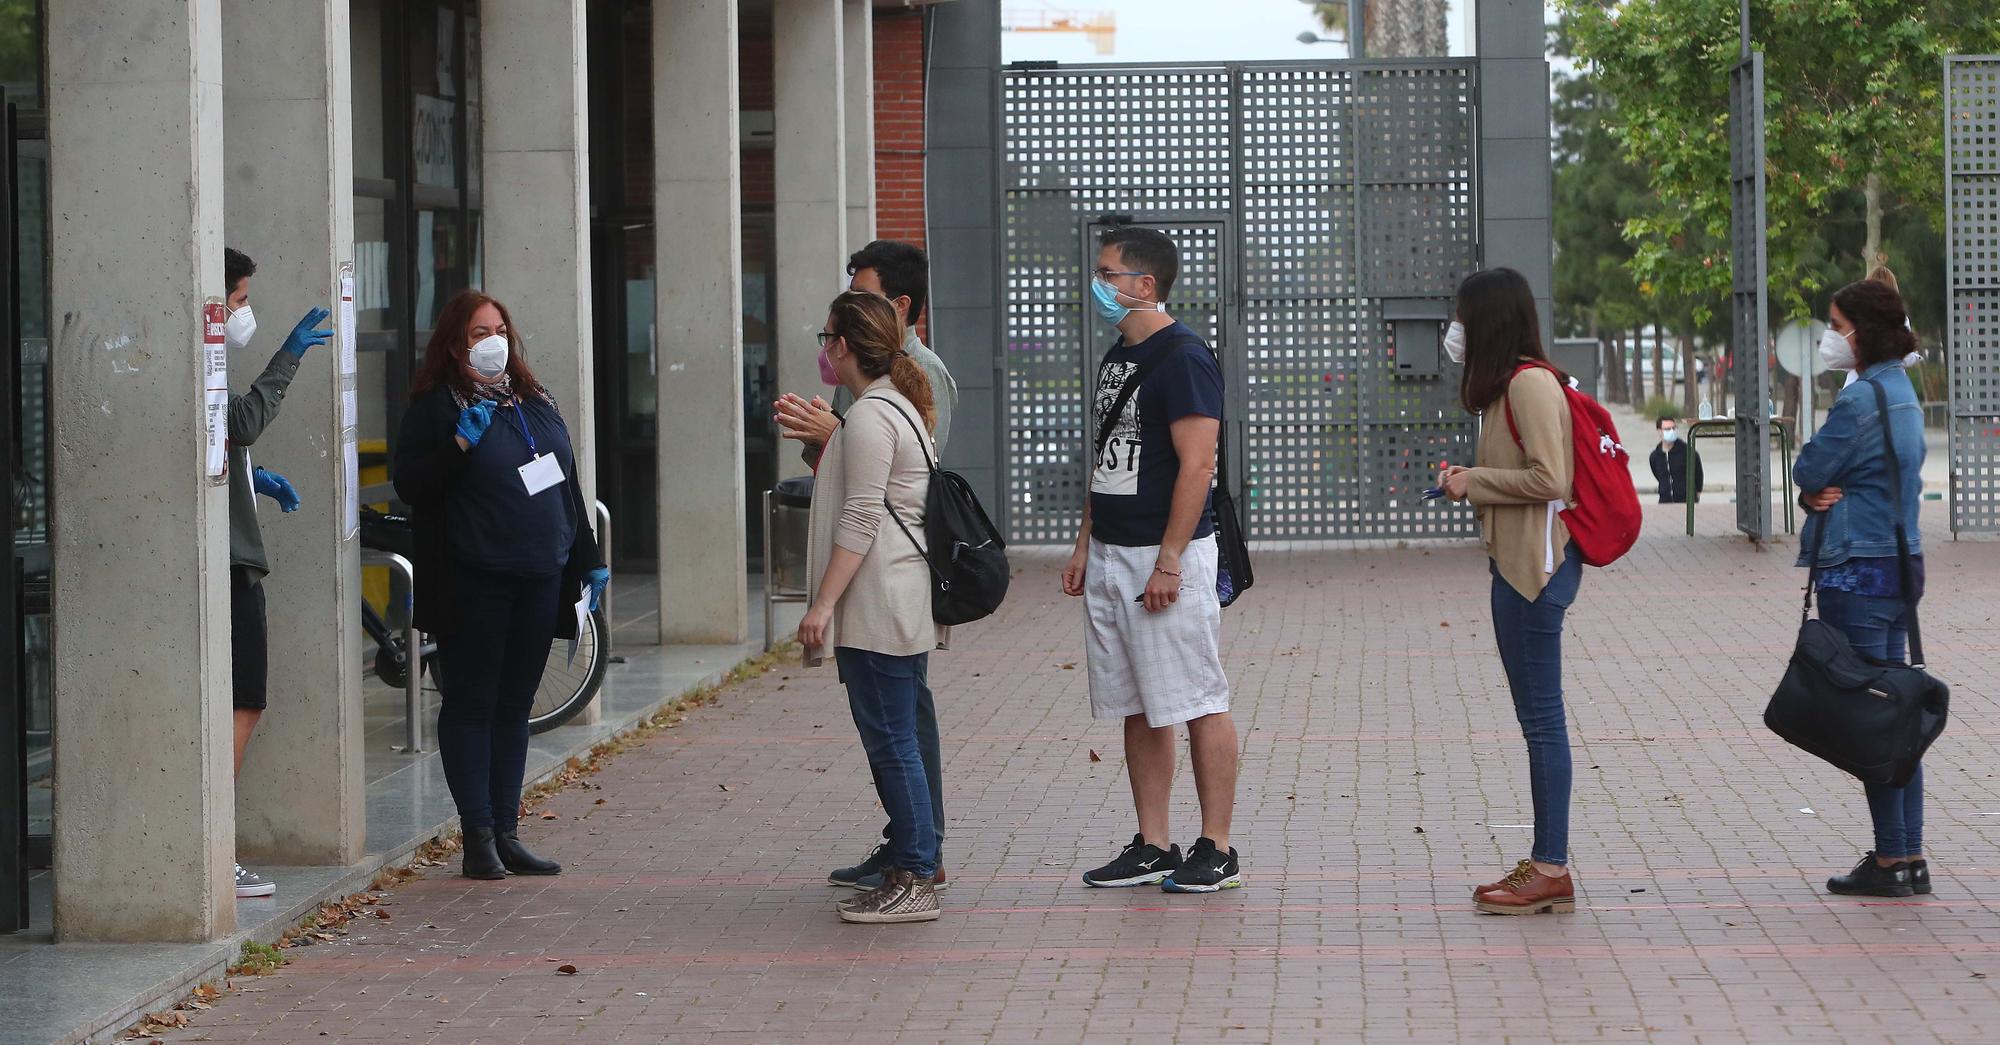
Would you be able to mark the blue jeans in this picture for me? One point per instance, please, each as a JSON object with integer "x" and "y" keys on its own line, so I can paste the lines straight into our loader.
{"x": 1875, "y": 625}
{"x": 489, "y": 667}
{"x": 932, "y": 751}
{"x": 882, "y": 695}
{"x": 1529, "y": 635}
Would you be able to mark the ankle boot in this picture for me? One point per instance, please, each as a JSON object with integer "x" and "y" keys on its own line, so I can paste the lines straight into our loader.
{"x": 516, "y": 856}
{"x": 481, "y": 861}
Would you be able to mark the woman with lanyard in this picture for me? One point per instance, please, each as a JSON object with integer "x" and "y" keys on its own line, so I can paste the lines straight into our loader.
{"x": 503, "y": 548}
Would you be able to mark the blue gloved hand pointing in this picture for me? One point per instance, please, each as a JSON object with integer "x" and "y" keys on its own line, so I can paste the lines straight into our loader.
{"x": 473, "y": 421}
{"x": 276, "y": 487}
{"x": 600, "y": 578}
{"x": 306, "y": 334}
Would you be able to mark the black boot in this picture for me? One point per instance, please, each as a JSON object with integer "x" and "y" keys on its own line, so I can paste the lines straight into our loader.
{"x": 481, "y": 861}
{"x": 1872, "y": 879}
{"x": 517, "y": 857}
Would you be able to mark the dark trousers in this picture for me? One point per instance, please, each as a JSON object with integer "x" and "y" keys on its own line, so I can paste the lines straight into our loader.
{"x": 1877, "y": 626}
{"x": 489, "y": 668}
{"x": 882, "y": 695}
{"x": 1529, "y": 635}
{"x": 927, "y": 746}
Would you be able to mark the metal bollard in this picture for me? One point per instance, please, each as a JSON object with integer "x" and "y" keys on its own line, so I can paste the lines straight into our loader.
{"x": 413, "y": 644}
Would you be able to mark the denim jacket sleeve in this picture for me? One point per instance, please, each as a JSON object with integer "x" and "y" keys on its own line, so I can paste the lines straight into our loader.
{"x": 1827, "y": 454}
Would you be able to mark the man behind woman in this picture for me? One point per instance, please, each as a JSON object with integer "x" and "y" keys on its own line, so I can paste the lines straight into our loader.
{"x": 870, "y": 586}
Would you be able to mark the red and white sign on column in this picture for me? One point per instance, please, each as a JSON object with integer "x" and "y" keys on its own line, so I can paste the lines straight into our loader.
{"x": 215, "y": 395}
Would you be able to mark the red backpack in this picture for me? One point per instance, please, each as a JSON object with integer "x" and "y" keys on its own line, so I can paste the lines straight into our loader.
{"x": 1604, "y": 520}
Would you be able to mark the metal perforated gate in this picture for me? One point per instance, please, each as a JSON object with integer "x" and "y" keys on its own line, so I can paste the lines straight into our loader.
{"x": 1972, "y": 222}
{"x": 1259, "y": 170}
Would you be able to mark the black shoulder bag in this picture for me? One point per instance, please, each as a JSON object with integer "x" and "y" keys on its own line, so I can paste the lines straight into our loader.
{"x": 1233, "y": 576}
{"x": 971, "y": 580}
{"x": 1871, "y": 718}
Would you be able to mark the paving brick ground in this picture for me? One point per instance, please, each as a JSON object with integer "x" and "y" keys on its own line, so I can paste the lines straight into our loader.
{"x": 1383, "y": 775}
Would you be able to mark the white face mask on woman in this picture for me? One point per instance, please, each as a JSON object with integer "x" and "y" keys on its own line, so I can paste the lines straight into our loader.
{"x": 1454, "y": 341}
{"x": 488, "y": 358}
{"x": 1836, "y": 350}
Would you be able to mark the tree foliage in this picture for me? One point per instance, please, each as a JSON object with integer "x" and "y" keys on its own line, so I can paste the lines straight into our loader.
{"x": 1852, "y": 88}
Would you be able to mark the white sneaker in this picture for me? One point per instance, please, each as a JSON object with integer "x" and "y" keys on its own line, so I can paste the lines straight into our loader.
{"x": 252, "y": 884}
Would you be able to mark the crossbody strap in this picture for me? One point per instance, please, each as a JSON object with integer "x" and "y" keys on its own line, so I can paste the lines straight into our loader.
{"x": 1902, "y": 535}
{"x": 1125, "y": 394}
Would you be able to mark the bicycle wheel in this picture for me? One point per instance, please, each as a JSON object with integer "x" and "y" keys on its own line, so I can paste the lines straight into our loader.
{"x": 570, "y": 684}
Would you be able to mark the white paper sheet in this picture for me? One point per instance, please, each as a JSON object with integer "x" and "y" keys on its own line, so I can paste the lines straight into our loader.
{"x": 582, "y": 622}
{"x": 215, "y": 391}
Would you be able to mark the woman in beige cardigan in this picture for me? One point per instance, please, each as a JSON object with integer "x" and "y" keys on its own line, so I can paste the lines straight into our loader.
{"x": 1521, "y": 478}
{"x": 871, "y": 588}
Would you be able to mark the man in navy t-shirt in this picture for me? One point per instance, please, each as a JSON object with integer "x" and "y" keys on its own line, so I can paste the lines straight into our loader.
{"x": 1145, "y": 564}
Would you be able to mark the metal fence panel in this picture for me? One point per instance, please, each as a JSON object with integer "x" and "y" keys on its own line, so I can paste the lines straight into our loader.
{"x": 1972, "y": 230}
{"x": 1327, "y": 440}
{"x": 1750, "y": 310}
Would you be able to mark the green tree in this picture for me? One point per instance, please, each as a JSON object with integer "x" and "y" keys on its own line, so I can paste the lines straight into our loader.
{"x": 1852, "y": 104}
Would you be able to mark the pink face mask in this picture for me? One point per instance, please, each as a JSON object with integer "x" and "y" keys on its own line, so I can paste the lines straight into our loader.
{"x": 826, "y": 371}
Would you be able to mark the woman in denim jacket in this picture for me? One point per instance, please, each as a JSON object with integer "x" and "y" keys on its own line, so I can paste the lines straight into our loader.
{"x": 1845, "y": 476}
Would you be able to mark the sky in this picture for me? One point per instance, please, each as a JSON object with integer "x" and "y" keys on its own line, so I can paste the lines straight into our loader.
{"x": 1192, "y": 31}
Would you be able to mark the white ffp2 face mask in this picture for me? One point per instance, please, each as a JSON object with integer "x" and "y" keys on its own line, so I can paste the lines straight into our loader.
{"x": 488, "y": 358}
{"x": 1835, "y": 350}
{"x": 1454, "y": 341}
{"x": 239, "y": 328}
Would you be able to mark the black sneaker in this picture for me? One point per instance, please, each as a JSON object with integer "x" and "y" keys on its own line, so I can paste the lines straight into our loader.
{"x": 1872, "y": 879}
{"x": 1920, "y": 876}
{"x": 1206, "y": 870}
{"x": 871, "y": 868}
{"x": 1137, "y": 864}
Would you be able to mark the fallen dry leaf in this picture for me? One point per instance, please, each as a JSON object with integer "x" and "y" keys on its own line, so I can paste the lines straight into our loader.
{"x": 549, "y": 816}
{"x": 566, "y": 970}
{"x": 599, "y": 802}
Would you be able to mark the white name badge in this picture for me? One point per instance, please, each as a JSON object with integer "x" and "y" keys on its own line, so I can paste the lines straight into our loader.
{"x": 541, "y": 473}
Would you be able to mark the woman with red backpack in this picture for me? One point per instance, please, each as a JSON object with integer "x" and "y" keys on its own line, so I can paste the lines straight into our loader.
{"x": 1522, "y": 478}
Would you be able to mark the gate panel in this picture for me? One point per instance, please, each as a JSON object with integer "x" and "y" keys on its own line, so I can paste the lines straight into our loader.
{"x": 1972, "y": 224}
{"x": 1342, "y": 184}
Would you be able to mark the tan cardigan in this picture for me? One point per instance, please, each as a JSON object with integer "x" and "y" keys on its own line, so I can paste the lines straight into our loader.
{"x": 887, "y": 607}
{"x": 1517, "y": 491}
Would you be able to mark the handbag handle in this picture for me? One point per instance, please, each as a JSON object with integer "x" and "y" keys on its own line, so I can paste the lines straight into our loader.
{"x": 1904, "y": 575}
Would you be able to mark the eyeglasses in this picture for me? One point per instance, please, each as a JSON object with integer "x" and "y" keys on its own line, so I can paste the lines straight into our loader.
{"x": 1107, "y": 273}
{"x": 826, "y": 336}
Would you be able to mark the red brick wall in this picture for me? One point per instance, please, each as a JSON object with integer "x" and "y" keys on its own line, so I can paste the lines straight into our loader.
{"x": 755, "y": 93}
{"x": 899, "y": 126}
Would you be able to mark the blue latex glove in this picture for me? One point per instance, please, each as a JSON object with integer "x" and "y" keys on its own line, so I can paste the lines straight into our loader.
{"x": 276, "y": 487}
{"x": 306, "y": 334}
{"x": 474, "y": 420}
{"x": 600, "y": 578}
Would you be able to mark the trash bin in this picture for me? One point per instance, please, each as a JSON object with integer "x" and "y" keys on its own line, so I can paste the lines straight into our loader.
{"x": 787, "y": 510}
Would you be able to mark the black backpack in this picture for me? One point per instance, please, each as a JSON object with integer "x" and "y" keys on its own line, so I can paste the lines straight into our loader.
{"x": 969, "y": 577}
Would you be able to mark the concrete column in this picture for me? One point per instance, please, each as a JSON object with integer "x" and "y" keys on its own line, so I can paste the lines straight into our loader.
{"x": 301, "y": 796}
{"x": 810, "y": 146}
{"x": 536, "y": 173}
{"x": 1517, "y": 183}
{"x": 145, "y": 827}
{"x": 698, "y": 197}
{"x": 857, "y": 40}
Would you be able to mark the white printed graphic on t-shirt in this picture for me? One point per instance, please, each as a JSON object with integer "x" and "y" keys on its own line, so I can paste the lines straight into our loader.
{"x": 1117, "y": 470}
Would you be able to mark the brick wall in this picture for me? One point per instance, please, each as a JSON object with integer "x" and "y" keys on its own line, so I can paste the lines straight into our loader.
{"x": 899, "y": 126}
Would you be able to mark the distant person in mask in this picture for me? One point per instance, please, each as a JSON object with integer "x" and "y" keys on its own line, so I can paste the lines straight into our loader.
{"x": 1837, "y": 352}
{"x": 249, "y": 414}
{"x": 503, "y": 549}
{"x": 1670, "y": 465}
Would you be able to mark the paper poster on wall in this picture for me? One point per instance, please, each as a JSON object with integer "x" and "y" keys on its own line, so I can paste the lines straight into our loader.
{"x": 215, "y": 392}
{"x": 350, "y": 471}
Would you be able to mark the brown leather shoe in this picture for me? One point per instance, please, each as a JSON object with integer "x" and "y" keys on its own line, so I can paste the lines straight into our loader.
{"x": 1494, "y": 887}
{"x": 1528, "y": 891}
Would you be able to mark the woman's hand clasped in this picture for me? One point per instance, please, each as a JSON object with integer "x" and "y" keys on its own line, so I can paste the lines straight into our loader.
{"x": 1457, "y": 482}
{"x": 1822, "y": 500}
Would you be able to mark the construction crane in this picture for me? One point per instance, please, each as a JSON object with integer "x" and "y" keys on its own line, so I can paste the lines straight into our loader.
{"x": 1101, "y": 27}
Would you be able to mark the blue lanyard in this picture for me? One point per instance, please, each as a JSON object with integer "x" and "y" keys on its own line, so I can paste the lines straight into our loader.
{"x": 525, "y": 434}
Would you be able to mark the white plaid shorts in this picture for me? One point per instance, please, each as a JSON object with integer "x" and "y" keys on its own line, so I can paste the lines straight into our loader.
{"x": 1167, "y": 665}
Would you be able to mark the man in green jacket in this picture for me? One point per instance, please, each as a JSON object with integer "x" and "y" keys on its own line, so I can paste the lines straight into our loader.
{"x": 249, "y": 414}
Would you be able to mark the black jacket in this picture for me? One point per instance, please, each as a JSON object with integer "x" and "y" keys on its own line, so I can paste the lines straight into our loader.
{"x": 428, "y": 464}
{"x": 1670, "y": 468}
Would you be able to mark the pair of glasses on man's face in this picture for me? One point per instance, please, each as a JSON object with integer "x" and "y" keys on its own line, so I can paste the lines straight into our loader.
{"x": 1106, "y": 273}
